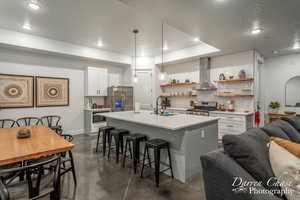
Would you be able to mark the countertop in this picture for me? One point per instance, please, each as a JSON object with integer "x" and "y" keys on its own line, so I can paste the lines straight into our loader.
{"x": 179, "y": 109}
{"x": 97, "y": 109}
{"x": 175, "y": 122}
{"x": 232, "y": 113}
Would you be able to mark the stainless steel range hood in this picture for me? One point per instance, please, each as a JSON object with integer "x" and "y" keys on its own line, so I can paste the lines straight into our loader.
{"x": 205, "y": 83}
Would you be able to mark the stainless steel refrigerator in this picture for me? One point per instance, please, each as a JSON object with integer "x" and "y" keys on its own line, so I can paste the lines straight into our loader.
{"x": 120, "y": 98}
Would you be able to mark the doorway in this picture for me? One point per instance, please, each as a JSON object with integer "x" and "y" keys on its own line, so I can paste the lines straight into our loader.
{"x": 143, "y": 89}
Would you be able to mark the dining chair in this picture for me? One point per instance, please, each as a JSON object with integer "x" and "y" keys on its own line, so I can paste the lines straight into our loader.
{"x": 34, "y": 179}
{"x": 53, "y": 122}
{"x": 68, "y": 159}
{"x": 7, "y": 123}
{"x": 28, "y": 121}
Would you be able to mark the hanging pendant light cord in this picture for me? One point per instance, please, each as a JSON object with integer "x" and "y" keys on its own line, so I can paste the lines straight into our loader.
{"x": 135, "y": 31}
{"x": 162, "y": 46}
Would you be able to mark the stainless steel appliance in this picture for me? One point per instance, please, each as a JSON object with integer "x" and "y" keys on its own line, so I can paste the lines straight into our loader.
{"x": 98, "y": 118}
{"x": 205, "y": 83}
{"x": 120, "y": 98}
{"x": 203, "y": 108}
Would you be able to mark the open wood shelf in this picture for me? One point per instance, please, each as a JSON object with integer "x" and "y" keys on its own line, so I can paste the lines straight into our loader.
{"x": 234, "y": 80}
{"x": 177, "y": 84}
{"x": 233, "y": 95}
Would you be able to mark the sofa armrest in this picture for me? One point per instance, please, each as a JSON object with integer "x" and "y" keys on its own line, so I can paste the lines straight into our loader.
{"x": 3, "y": 192}
{"x": 219, "y": 173}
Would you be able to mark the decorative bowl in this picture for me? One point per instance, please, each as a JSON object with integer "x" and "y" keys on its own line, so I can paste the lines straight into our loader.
{"x": 24, "y": 133}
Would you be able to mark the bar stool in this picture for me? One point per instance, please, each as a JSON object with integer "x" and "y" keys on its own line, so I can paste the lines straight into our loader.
{"x": 135, "y": 140}
{"x": 105, "y": 134}
{"x": 118, "y": 135}
{"x": 157, "y": 145}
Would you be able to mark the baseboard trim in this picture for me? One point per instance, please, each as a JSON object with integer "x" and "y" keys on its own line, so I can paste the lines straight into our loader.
{"x": 75, "y": 132}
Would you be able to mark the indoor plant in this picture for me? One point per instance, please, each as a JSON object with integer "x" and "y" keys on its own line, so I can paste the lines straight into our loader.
{"x": 274, "y": 106}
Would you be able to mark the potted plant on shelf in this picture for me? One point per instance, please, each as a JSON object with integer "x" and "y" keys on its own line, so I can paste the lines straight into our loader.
{"x": 274, "y": 106}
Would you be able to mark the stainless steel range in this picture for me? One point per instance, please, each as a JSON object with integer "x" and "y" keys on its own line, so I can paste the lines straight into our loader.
{"x": 203, "y": 108}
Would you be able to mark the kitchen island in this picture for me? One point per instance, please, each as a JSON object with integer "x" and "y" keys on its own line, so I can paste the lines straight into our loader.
{"x": 189, "y": 136}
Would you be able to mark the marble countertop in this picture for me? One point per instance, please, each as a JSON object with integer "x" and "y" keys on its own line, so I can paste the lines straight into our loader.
{"x": 179, "y": 109}
{"x": 232, "y": 113}
{"x": 97, "y": 109}
{"x": 175, "y": 122}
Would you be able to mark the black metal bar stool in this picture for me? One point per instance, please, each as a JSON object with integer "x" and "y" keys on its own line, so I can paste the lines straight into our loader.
{"x": 135, "y": 140}
{"x": 118, "y": 136}
{"x": 105, "y": 134}
{"x": 157, "y": 145}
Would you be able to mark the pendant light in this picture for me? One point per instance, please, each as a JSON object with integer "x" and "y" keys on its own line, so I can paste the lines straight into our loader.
{"x": 135, "y": 78}
{"x": 162, "y": 74}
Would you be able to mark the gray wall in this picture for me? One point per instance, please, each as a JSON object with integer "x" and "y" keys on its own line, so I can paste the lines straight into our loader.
{"x": 274, "y": 75}
{"x": 29, "y": 63}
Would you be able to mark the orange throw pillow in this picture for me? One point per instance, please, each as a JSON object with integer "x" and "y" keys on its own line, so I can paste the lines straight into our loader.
{"x": 292, "y": 147}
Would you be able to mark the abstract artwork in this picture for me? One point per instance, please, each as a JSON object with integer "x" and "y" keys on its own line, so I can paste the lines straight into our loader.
{"x": 16, "y": 91}
{"x": 52, "y": 91}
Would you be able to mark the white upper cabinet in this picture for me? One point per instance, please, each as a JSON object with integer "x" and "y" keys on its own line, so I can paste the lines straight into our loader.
{"x": 113, "y": 79}
{"x": 96, "y": 80}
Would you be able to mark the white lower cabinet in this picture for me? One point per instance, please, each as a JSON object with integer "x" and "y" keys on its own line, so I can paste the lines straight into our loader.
{"x": 231, "y": 123}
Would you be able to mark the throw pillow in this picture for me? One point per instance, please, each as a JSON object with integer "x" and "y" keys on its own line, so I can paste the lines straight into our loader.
{"x": 292, "y": 147}
{"x": 286, "y": 168}
{"x": 251, "y": 152}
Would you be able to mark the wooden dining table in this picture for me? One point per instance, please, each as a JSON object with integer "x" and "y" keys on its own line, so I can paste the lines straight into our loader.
{"x": 43, "y": 142}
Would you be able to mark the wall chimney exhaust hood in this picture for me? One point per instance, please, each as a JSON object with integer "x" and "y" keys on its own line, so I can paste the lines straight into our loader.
{"x": 205, "y": 83}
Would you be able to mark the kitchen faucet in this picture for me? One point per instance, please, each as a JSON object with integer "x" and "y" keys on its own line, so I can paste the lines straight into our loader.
{"x": 162, "y": 104}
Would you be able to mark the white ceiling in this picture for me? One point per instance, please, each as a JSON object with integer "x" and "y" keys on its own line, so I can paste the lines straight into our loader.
{"x": 225, "y": 24}
{"x": 84, "y": 22}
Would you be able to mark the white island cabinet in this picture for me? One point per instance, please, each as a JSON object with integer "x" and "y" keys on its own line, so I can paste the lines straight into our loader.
{"x": 96, "y": 81}
{"x": 233, "y": 122}
{"x": 190, "y": 136}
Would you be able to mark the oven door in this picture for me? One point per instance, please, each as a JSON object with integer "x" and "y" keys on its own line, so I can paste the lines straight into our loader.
{"x": 98, "y": 118}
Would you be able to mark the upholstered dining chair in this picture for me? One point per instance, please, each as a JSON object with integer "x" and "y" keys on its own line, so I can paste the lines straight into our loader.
{"x": 7, "y": 123}
{"x": 28, "y": 121}
{"x": 53, "y": 122}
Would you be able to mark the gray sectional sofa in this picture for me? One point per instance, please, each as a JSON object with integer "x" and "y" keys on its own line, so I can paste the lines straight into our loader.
{"x": 245, "y": 159}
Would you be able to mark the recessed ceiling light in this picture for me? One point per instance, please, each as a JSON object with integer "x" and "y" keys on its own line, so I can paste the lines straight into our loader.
{"x": 33, "y": 5}
{"x": 256, "y": 31}
{"x": 165, "y": 48}
{"x": 100, "y": 43}
{"x": 196, "y": 39}
{"x": 275, "y": 52}
{"x": 27, "y": 26}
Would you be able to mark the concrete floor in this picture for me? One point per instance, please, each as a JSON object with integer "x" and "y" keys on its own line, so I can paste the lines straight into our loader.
{"x": 100, "y": 179}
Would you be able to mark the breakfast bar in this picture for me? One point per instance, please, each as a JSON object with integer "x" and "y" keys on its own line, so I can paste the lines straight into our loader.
{"x": 189, "y": 136}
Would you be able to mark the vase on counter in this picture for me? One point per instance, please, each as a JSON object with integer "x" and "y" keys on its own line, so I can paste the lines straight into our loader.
{"x": 222, "y": 77}
{"x": 274, "y": 110}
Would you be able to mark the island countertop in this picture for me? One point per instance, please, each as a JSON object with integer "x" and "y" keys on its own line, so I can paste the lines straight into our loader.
{"x": 175, "y": 122}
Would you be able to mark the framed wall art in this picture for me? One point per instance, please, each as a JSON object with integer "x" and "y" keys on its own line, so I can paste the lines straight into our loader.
{"x": 16, "y": 91}
{"x": 52, "y": 91}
